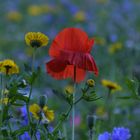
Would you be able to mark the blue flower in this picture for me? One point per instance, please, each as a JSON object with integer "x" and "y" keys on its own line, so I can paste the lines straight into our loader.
{"x": 24, "y": 115}
{"x": 104, "y": 136}
{"x": 120, "y": 133}
{"x": 25, "y": 136}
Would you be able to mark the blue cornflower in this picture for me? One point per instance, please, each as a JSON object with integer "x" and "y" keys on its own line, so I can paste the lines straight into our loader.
{"x": 24, "y": 136}
{"x": 118, "y": 133}
{"x": 121, "y": 133}
{"x": 24, "y": 115}
{"x": 104, "y": 136}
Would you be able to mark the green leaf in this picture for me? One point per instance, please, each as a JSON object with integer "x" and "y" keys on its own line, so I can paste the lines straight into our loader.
{"x": 133, "y": 86}
{"x": 19, "y": 97}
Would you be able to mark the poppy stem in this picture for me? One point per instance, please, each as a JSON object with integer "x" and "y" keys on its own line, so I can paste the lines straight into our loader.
{"x": 73, "y": 106}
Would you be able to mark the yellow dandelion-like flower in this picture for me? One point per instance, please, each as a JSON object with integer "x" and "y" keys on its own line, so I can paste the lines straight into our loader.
{"x": 115, "y": 47}
{"x": 90, "y": 82}
{"x": 111, "y": 85}
{"x": 34, "y": 10}
{"x": 47, "y": 8}
{"x": 100, "y": 41}
{"x": 14, "y": 16}
{"x": 80, "y": 16}
{"x": 100, "y": 111}
{"x": 36, "y": 39}
{"x": 35, "y": 110}
{"x": 49, "y": 114}
{"x": 4, "y": 101}
{"x": 69, "y": 89}
{"x": 9, "y": 67}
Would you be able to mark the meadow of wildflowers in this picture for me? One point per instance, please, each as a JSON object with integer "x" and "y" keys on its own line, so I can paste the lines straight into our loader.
{"x": 70, "y": 70}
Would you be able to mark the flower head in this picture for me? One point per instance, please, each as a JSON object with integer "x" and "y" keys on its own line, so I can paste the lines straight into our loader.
{"x": 104, "y": 136}
{"x": 90, "y": 82}
{"x": 111, "y": 85}
{"x": 71, "y": 49}
{"x": 14, "y": 16}
{"x": 69, "y": 89}
{"x": 121, "y": 133}
{"x": 39, "y": 112}
{"x": 34, "y": 10}
{"x": 118, "y": 133}
{"x": 8, "y": 67}
{"x": 4, "y": 101}
{"x": 79, "y": 16}
{"x": 115, "y": 47}
{"x": 36, "y": 39}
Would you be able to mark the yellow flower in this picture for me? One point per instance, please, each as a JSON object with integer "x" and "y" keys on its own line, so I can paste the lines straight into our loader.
{"x": 100, "y": 41}
{"x": 14, "y": 16}
{"x": 111, "y": 85}
{"x": 115, "y": 47}
{"x": 90, "y": 82}
{"x": 48, "y": 113}
{"x": 69, "y": 89}
{"x": 37, "y": 111}
{"x": 36, "y": 39}
{"x": 100, "y": 111}
{"x": 47, "y": 8}
{"x": 5, "y": 101}
{"x": 9, "y": 67}
{"x": 34, "y": 10}
{"x": 80, "y": 16}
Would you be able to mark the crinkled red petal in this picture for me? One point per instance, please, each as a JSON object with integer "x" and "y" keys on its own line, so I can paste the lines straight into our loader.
{"x": 81, "y": 60}
{"x": 71, "y": 39}
{"x": 66, "y": 72}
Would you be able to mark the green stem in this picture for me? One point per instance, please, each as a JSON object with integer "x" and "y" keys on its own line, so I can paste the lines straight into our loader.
{"x": 61, "y": 121}
{"x": 78, "y": 100}
{"x": 30, "y": 92}
{"x": 73, "y": 106}
{"x": 33, "y": 59}
{"x": 1, "y": 99}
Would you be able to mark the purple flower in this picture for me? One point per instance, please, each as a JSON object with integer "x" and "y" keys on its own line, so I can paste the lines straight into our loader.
{"x": 120, "y": 133}
{"x": 104, "y": 136}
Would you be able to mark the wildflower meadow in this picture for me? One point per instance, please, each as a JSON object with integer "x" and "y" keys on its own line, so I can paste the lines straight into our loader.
{"x": 70, "y": 70}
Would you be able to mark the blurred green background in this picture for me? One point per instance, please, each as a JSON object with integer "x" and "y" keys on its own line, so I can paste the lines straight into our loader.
{"x": 115, "y": 27}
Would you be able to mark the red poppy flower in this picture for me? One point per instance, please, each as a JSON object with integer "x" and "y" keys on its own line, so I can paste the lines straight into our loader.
{"x": 71, "y": 48}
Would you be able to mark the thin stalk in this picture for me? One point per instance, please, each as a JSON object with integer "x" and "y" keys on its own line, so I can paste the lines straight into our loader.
{"x": 33, "y": 59}
{"x": 73, "y": 106}
{"x": 1, "y": 98}
{"x": 61, "y": 121}
{"x": 91, "y": 134}
{"x": 30, "y": 92}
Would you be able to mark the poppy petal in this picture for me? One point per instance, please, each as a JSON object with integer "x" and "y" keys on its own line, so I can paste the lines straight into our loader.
{"x": 57, "y": 65}
{"x": 68, "y": 72}
{"x": 71, "y": 39}
{"x": 81, "y": 60}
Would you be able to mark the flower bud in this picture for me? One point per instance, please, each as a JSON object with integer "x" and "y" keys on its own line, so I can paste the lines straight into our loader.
{"x": 90, "y": 82}
{"x": 90, "y": 121}
{"x": 42, "y": 101}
